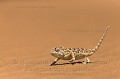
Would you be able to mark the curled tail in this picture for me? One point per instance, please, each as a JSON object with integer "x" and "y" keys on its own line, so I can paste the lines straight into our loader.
{"x": 99, "y": 43}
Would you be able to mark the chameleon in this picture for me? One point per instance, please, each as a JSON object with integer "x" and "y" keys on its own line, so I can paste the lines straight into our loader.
{"x": 73, "y": 54}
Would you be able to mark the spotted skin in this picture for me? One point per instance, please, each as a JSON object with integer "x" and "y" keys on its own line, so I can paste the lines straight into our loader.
{"x": 73, "y": 54}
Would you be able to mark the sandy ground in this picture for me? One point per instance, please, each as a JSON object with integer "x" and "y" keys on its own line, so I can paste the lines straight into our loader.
{"x": 29, "y": 29}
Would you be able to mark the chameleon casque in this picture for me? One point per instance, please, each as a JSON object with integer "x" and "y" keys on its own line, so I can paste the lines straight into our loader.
{"x": 73, "y": 54}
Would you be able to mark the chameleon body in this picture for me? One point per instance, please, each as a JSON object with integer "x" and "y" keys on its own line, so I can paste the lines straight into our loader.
{"x": 73, "y": 54}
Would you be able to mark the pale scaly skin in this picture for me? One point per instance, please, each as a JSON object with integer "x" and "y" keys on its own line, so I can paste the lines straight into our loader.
{"x": 73, "y": 54}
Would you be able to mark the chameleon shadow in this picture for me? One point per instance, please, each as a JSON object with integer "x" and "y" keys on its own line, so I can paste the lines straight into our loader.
{"x": 79, "y": 62}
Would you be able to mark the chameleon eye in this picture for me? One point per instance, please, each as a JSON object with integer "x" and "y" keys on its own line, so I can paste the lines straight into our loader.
{"x": 57, "y": 49}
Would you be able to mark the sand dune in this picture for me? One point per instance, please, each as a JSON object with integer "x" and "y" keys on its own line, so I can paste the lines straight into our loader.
{"x": 30, "y": 29}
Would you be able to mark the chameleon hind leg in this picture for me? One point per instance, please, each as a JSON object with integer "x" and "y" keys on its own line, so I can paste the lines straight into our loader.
{"x": 53, "y": 63}
{"x": 87, "y": 60}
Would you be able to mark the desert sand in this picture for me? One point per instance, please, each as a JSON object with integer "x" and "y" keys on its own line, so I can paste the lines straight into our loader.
{"x": 29, "y": 29}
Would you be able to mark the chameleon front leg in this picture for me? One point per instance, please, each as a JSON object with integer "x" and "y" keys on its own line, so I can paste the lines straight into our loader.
{"x": 73, "y": 58}
{"x": 53, "y": 63}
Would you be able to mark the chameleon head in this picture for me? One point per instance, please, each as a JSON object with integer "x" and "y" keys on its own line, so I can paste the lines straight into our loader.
{"x": 57, "y": 52}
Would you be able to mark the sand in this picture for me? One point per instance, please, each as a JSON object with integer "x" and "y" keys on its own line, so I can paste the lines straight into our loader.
{"x": 29, "y": 29}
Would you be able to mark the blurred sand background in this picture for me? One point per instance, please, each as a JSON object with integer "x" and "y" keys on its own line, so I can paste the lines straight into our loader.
{"x": 29, "y": 29}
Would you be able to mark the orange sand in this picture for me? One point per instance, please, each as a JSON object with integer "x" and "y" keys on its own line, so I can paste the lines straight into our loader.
{"x": 29, "y": 29}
